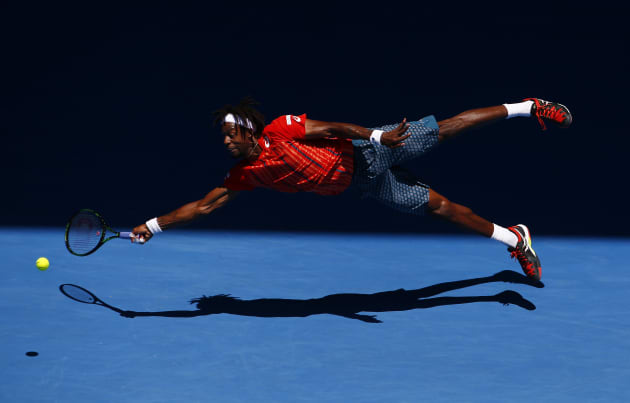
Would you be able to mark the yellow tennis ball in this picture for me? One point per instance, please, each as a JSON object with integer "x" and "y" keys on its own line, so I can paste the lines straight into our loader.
{"x": 42, "y": 263}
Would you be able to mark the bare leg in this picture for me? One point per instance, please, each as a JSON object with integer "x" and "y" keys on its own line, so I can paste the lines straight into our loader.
{"x": 470, "y": 119}
{"x": 441, "y": 207}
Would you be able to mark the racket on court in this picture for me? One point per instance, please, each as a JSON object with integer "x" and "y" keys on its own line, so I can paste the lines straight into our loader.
{"x": 80, "y": 294}
{"x": 86, "y": 231}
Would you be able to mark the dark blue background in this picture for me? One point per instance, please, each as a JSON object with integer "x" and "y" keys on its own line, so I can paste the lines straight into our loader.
{"x": 109, "y": 107}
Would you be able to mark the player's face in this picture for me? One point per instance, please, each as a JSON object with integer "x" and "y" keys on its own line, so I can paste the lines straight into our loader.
{"x": 236, "y": 140}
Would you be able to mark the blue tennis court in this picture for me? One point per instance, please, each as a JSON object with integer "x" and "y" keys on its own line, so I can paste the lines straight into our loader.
{"x": 573, "y": 347}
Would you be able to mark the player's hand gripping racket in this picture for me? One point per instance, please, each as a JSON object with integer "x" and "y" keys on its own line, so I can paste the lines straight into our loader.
{"x": 87, "y": 231}
{"x": 80, "y": 294}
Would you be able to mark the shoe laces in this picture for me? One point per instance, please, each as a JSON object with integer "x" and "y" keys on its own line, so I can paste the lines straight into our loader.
{"x": 548, "y": 111}
{"x": 551, "y": 112}
{"x": 522, "y": 259}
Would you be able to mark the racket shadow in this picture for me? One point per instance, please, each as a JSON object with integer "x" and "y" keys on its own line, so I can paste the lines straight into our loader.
{"x": 349, "y": 305}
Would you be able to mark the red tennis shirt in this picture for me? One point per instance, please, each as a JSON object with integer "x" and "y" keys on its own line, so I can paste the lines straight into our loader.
{"x": 290, "y": 163}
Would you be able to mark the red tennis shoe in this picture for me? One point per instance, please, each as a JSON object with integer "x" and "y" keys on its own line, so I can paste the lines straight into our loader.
{"x": 524, "y": 253}
{"x": 550, "y": 111}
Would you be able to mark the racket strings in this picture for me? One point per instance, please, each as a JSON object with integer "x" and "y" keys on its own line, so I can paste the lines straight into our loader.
{"x": 85, "y": 232}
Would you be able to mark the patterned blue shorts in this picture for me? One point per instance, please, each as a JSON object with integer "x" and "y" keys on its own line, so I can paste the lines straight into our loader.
{"x": 377, "y": 171}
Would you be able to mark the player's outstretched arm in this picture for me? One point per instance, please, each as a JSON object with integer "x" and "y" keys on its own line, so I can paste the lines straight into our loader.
{"x": 316, "y": 129}
{"x": 217, "y": 197}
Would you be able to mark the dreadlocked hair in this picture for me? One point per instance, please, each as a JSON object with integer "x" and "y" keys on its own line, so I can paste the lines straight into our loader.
{"x": 216, "y": 301}
{"x": 244, "y": 110}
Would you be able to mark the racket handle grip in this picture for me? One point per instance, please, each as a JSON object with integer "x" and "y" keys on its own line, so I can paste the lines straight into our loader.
{"x": 134, "y": 239}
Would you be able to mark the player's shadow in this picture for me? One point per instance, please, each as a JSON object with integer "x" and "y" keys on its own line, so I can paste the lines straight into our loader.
{"x": 349, "y": 305}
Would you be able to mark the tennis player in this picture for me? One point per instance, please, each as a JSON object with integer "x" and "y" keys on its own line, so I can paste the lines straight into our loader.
{"x": 297, "y": 154}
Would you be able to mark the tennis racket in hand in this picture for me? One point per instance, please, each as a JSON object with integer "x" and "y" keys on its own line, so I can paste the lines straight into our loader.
{"x": 86, "y": 231}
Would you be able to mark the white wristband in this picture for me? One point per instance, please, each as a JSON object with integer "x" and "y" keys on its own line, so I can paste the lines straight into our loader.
{"x": 153, "y": 226}
{"x": 376, "y": 136}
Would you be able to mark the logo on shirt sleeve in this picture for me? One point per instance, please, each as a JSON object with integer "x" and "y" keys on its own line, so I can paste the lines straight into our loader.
{"x": 296, "y": 118}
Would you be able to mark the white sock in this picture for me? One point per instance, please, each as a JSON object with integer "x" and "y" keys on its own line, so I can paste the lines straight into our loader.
{"x": 504, "y": 235}
{"x": 520, "y": 109}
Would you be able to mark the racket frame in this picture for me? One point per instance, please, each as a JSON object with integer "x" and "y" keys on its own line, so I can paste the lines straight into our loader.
{"x": 104, "y": 229}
